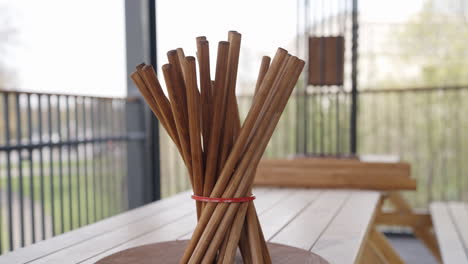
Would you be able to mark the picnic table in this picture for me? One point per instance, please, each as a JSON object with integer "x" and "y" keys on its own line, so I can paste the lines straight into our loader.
{"x": 332, "y": 223}
{"x": 450, "y": 221}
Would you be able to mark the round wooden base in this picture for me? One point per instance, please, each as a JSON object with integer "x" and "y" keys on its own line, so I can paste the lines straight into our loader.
{"x": 171, "y": 252}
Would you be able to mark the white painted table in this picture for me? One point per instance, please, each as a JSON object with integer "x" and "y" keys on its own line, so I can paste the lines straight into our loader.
{"x": 331, "y": 223}
{"x": 450, "y": 221}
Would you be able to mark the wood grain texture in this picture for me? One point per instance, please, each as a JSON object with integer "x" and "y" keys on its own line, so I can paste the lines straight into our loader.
{"x": 349, "y": 229}
{"x": 326, "y": 60}
{"x": 83, "y": 234}
{"x": 335, "y": 173}
{"x": 423, "y": 233}
{"x": 289, "y": 216}
{"x": 449, "y": 236}
{"x": 371, "y": 254}
{"x": 171, "y": 252}
{"x": 383, "y": 245}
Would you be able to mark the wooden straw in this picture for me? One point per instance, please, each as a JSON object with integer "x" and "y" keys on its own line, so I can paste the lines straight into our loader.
{"x": 173, "y": 58}
{"x": 174, "y": 85}
{"x": 203, "y": 54}
{"x": 259, "y": 151}
{"x": 248, "y": 125}
{"x": 149, "y": 76}
{"x": 237, "y": 186}
{"x": 224, "y": 164}
{"x": 232, "y": 120}
{"x": 220, "y": 99}
{"x": 234, "y": 156}
{"x": 254, "y": 235}
{"x": 228, "y": 252}
{"x": 135, "y": 76}
{"x": 239, "y": 229}
{"x": 261, "y": 74}
{"x": 193, "y": 98}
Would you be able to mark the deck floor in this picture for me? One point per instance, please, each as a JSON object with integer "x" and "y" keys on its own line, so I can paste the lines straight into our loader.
{"x": 411, "y": 249}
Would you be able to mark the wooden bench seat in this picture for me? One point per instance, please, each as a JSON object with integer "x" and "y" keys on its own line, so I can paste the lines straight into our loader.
{"x": 380, "y": 173}
{"x": 450, "y": 221}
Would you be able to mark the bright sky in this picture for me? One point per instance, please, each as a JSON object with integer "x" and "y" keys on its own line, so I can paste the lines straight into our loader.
{"x": 72, "y": 46}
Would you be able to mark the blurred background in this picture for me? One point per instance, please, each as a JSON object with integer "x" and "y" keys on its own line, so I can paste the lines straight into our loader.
{"x": 77, "y": 143}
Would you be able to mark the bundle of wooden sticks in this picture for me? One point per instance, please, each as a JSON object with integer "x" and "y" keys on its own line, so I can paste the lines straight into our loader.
{"x": 221, "y": 155}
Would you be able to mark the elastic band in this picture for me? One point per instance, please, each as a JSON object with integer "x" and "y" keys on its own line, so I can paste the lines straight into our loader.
{"x": 223, "y": 200}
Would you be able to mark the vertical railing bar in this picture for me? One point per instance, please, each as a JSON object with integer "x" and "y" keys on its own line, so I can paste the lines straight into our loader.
{"x": 41, "y": 165}
{"x": 444, "y": 125}
{"x": 313, "y": 131}
{"x": 69, "y": 165}
{"x": 306, "y": 95}
{"x": 330, "y": 122}
{"x": 108, "y": 144}
{"x": 123, "y": 157}
{"x": 354, "y": 76}
{"x": 51, "y": 163}
{"x": 77, "y": 152}
{"x": 107, "y": 175}
{"x": 322, "y": 128}
{"x": 85, "y": 162}
{"x": 93, "y": 158}
{"x": 429, "y": 137}
{"x": 31, "y": 170}
{"x": 114, "y": 179}
{"x": 60, "y": 151}
{"x": 388, "y": 114}
{"x": 20, "y": 166}
{"x": 338, "y": 123}
{"x": 119, "y": 156}
{"x": 374, "y": 119}
{"x": 458, "y": 145}
{"x": 100, "y": 159}
{"x": 6, "y": 112}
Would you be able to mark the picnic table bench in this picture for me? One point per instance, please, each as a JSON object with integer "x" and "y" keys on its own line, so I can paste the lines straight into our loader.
{"x": 450, "y": 221}
{"x": 332, "y": 223}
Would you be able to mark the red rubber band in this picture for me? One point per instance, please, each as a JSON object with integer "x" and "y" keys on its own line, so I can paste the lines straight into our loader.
{"x": 223, "y": 200}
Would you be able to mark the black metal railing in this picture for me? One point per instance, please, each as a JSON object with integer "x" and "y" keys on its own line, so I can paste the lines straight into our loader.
{"x": 62, "y": 163}
{"x": 424, "y": 126}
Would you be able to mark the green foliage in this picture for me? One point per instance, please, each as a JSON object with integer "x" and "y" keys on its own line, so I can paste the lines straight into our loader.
{"x": 435, "y": 41}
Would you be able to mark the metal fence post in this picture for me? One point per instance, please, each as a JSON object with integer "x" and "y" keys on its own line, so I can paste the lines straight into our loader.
{"x": 143, "y": 156}
{"x": 354, "y": 73}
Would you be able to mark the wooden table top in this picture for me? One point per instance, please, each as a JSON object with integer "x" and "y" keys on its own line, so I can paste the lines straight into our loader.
{"x": 450, "y": 221}
{"x": 331, "y": 223}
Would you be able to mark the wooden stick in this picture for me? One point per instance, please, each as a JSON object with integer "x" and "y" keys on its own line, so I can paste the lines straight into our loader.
{"x": 254, "y": 235}
{"x": 238, "y": 186}
{"x": 218, "y": 118}
{"x": 245, "y": 247}
{"x": 232, "y": 120}
{"x": 178, "y": 104}
{"x": 228, "y": 252}
{"x": 149, "y": 76}
{"x": 234, "y": 156}
{"x": 245, "y": 244}
{"x": 135, "y": 76}
{"x": 150, "y": 100}
{"x": 179, "y": 84}
{"x": 234, "y": 239}
{"x": 193, "y": 98}
{"x": 213, "y": 246}
{"x": 261, "y": 74}
{"x": 203, "y": 54}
